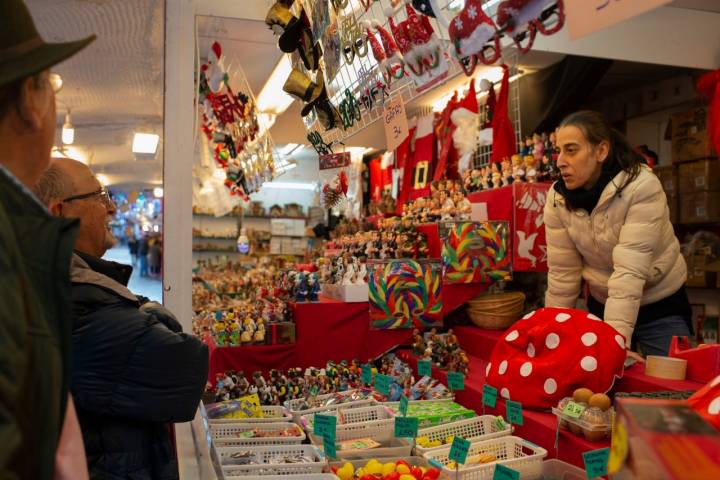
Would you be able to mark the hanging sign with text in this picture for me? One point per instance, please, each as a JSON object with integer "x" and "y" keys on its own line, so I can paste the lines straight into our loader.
{"x": 395, "y": 121}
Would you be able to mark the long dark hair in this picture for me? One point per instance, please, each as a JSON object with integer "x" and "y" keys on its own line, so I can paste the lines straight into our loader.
{"x": 596, "y": 129}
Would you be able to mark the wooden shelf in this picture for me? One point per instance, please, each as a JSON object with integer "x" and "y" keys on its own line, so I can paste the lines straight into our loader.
{"x": 202, "y": 237}
{"x": 274, "y": 218}
{"x": 214, "y": 250}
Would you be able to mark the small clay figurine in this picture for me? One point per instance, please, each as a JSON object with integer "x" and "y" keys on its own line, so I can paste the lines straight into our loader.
{"x": 463, "y": 207}
{"x": 313, "y": 287}
{"x": 530, "y": 171}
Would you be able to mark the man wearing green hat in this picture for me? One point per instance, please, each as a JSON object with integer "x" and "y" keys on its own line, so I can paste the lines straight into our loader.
{"x": 35, "y": 250}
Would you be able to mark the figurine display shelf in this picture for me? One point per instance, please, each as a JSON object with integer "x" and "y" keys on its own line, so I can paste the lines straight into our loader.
{"x": 443, "y": 350}
{"x": 309, "y": 386}
{"x": 447, "y": 202}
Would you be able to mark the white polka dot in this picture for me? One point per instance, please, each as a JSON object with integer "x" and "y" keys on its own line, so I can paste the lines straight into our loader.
{"x": 528, "y": 315}
{"x": 512, "y": 336}
{"x": 552, "y": 341}
{"x": 526, "y": 369}
{"x": 589, "y": 364}
{"x": 503, "y": 367}
{"x": 714, "y": 407}
{"x": 594, "y": 317}
{"x": 589, "y": 339}
{"x": 716, "y": 381}
{"x": 531, "y": 350}
{"x": 550, "y": 386}
{"x": 505, "y": 393}
{"x": 562, "y": 317}
{"x": 487, "y": 370}
{"x": 620, "y": 341}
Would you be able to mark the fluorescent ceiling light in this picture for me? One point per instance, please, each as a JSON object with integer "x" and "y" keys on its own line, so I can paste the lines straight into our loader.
{"x": 145, "y": 143}
{"x": 272, "y": 98}
{"x": 291, "y": 186}
{"x": 68, "y": 131}
{"x": 158, "y": 192}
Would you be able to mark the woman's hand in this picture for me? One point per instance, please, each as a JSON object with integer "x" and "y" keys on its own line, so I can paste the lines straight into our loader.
{"x": 635, "y": 356}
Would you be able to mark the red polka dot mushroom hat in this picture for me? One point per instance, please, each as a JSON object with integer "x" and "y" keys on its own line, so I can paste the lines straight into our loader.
{"x": 550, "y": 352}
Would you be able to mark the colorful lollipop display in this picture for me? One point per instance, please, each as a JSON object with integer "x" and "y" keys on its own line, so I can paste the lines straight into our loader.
{"x": 405, "y": 294}
{"x": 476, "y": 252}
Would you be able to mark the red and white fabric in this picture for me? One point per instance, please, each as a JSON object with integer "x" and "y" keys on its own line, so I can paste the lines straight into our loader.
{"x": 550, "y": 352}
{"x": 504, "y": 145}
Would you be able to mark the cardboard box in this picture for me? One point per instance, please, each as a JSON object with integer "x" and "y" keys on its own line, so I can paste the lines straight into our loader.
{"x": 662, "y": 439}
{"x": 700, "y": 207}
{"x": 699, "y": 176}
{"x": 690, "y": 137}
{"x": 674, "y": 210}
{"x": 668, "y": 176}
{"x": 698, "y": 275}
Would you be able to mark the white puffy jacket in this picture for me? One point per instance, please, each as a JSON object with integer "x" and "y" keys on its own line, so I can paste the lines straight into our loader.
{"x": 625, "y": 249}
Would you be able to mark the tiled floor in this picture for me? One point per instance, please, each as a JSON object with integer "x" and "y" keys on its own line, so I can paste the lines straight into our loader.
{"x": 150, "y": 287}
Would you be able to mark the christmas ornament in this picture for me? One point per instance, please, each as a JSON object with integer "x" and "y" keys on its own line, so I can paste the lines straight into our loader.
{"x": 349, "y": 110}
{"x": 352, "y": 40}
{"x": 336, "y": 190}
{"x": 523, "y": 18}
{"x": 474, "y": 37}
{"x": 389, "y": 58}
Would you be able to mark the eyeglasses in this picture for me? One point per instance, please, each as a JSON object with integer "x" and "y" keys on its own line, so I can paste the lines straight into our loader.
{"x": 56, "y": 81}
{"x": 101, "y": 192}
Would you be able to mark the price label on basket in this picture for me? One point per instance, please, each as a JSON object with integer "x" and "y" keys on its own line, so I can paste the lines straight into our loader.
{"x": 459, "y": 450}
{"x": 403, "y": 406}
{"x": 329, "y": 445}
{"x": 596, "y": 462}
{"x": 366, "y": 374}
{"x": 573, "y": 410}
{"x": 324, "y": 424}
{"x": 406, "y": 427}
{"x": 424, "y": 368}
{"x": 456, "y": 381}
{"x": 514, "y": 412}
{"x": 505, "y": 473}
{"x": 489, "y": 396}
{"x": 382, "y": 384}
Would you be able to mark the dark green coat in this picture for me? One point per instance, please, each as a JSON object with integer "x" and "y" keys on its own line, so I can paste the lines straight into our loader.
{"x": 35, "y": 329}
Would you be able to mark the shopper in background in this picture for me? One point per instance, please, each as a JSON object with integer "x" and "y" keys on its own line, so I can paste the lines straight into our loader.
{"x": 607, "y": 222}
{"x": 35, "y": 254}
{"x": 153, "y": 256}
{"x": 142, "y": 251}
{"x": 133, "y": 248}
{"x": 134, "y": 371}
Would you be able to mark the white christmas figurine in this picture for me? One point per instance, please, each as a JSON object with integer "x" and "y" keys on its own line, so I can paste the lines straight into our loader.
{"x": 349, "y": 273}
{"x": 361, "y": 274}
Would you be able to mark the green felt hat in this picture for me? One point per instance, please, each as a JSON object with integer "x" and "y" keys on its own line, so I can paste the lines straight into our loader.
{"x": 22, "y": 51}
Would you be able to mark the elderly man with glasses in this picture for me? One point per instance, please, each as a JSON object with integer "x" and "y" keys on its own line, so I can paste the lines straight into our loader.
{"x": 35, "y": 254}
{"x": 134, "y": 371}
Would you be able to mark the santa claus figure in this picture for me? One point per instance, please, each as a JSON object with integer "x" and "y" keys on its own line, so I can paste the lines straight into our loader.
{"x": 467, "y": 123}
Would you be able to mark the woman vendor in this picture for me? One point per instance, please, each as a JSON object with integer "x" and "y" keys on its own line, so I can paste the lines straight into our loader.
{"x": 607, "y": 222}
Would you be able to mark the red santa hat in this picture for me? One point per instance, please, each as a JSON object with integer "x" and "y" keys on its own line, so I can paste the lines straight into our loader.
{"x": 471, "y": 29}
{"x": 375, "y": 46}
{"x": 398, "y": 32}
{"x": 518, "y": 15}
{"x": 545, "y": 356}
{"x": 504, "y": 145}
{"x": 391, "y": 48}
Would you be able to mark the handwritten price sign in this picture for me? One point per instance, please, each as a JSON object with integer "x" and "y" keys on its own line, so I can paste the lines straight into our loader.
{"x": 395, "y": 120}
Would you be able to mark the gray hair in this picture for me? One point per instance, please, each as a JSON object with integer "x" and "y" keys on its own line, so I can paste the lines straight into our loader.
{"x": 54, "y": 184}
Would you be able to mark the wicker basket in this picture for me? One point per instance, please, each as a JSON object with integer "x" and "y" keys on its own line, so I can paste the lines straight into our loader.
{"x": 496, "y": 310}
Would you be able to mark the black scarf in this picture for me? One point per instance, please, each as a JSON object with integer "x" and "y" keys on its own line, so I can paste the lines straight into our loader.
{"x": 581, "y": 198}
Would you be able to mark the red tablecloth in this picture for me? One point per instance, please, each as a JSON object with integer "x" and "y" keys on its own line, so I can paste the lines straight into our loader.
{"x": 249, "y": 358}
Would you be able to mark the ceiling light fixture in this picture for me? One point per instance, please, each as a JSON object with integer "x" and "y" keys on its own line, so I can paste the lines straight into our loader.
{"x": 68, "y": 131}
{"x": 145, "y": 143}
{"x": 272, "y": 98}
{"x": 158, "y": 192}
{"x": 103, "y": 179}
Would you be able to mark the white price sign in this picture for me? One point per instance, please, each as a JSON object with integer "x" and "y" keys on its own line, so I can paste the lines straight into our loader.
{"x": 395, "y": 120}
{"x": 587, "y": 16}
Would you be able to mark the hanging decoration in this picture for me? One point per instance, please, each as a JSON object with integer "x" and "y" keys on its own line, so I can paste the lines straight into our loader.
{"x": 467, "y": 124}
{"x": 294, "y": 34}
{"x": 474, "y": 37}
{"x": 504, "y": 145}
{"x": 349, "y": 109}
{"x": 229, "y": 121}
{"x": 353, "y": 42}
{"x": 522, "y": 19}
{"x": 316, "y": 140}
{"x": 404, "y": 294}
{"x": 335, "y": 190}
{"x": 388, "y": 56}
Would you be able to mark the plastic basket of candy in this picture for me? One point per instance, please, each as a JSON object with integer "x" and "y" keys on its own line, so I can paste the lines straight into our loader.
{"x": 330, "y": 401}
{"x": 270, "y": 460}
{"x": 350, "y": 444}
{"x": 431, "y": 413}
{"x": 304, "y": 476}
{"x": 483, "y": 427}
{"x": 379, "y": 467}
{"x": 514, "y": 452}
{"x": 376, "y": 422}
{"x": 256, "y": 434}
{"x": 270, "y": 414}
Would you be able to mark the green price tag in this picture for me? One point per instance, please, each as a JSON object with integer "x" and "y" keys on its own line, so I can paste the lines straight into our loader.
{"x": 324, "y": 424}
{"x": 366, "y": 374}
{"x": 403, "y": 406}
{"x": 382, "y": 384}
{"x": 406, "y": 427}
{"x": 329, "y": 446}
{"x": 424, "y": 368}
{"x": 573, "y": 410}
{"x": 504, "y": 473}
{"x": 456, "y": 381}
{"x": 514, "y": 412}
{"x": 459, "y": 450}
{"x": 489, "y": 396}
{"x": 596, "y": 462}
